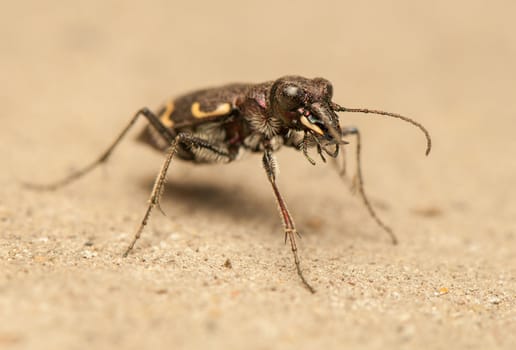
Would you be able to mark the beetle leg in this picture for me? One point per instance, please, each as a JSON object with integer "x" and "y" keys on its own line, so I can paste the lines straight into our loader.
{"x": 340, "y": 163}
{"x": 304, "y": 148}
{"x": 159, "y": 183}
{"x": 359, "y": 183}
{"x": 269, "y": 163}
{"x": 151, "y": 118}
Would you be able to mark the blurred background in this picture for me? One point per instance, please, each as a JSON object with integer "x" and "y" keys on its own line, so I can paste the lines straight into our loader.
{"x": 74, "y": 73}
{"x": 72, "y": 66}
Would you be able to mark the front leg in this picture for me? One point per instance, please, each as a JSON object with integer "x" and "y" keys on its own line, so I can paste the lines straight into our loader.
{"x": 359, "y": 183}
{"x": 269, "y": 163}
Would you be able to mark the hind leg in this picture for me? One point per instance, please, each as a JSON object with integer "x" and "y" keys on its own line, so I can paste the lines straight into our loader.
{"x": 151, "y": 118}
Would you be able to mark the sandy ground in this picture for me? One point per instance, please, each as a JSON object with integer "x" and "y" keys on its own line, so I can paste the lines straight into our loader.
{"x": 74, "y": 74}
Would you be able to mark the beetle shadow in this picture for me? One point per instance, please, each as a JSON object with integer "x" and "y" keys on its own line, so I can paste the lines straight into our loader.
{"x": 211, "y": 199}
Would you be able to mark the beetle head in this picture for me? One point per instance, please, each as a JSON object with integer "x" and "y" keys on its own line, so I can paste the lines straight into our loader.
{"x": 305, "y": 104}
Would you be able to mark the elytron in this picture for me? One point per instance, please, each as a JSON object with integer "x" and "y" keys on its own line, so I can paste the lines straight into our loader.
{"x": 219, "y": 124}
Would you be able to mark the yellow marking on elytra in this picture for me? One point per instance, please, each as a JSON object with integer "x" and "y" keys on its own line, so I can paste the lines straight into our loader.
{"x": 165, "y": 116}
{"x": 310, "y": 126}
{"x": 222, "y": 109}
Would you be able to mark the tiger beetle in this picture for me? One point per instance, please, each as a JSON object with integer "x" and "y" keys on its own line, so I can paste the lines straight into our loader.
{"x": 220, "y": 124}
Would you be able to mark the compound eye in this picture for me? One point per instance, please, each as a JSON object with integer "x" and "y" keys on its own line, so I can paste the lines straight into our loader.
{"x": 291, "y": 97}
{"x": 329, "y": 90}
{"x": 325, "y": 86}
{"x": 292, "y": 91}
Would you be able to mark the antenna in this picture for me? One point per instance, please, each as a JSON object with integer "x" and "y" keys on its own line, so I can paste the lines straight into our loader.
{"x": 338, "y": 108}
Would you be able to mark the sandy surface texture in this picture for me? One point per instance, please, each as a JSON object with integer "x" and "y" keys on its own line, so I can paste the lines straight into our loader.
{"x": 214, "y": 273}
